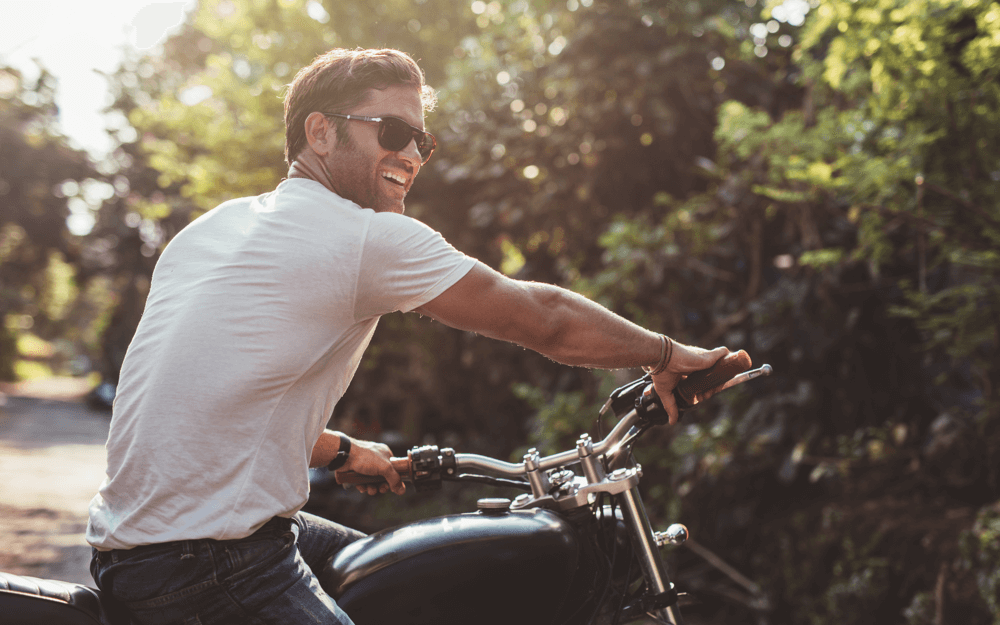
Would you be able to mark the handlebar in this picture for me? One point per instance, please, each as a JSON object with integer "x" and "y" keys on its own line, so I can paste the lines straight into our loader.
{"x": 724, "y": 370}
{"x": 727, "y": 372}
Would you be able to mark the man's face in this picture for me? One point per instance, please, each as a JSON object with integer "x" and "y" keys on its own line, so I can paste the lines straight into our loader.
{"x": 363, "y": 171}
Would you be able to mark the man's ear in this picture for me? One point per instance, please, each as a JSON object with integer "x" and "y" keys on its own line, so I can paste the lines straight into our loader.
{"x": 318, "y": 134}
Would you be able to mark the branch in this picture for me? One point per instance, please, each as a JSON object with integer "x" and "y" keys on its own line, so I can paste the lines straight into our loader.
{"x": 710, "y": 271}
{"x": 961, "y": 200}
{"x": 723, "y": 566}
{"x": 939, "y": 596}
{"x": 923, "y": 221}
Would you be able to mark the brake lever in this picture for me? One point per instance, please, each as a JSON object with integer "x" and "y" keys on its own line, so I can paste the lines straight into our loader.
{"x": 746, "y": 376}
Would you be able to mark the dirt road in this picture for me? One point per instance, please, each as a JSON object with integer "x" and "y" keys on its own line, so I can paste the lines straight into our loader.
{"x": 51, "y": 463}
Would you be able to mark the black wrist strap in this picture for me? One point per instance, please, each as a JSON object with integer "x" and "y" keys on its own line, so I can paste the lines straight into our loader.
{"x": 341, "y": 458}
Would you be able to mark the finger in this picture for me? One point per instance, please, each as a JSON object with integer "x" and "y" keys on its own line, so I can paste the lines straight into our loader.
{"x": 700, "y": 397}
{"x": 394, "y": 483}
{"x": 393, "y": 480}
{"x": 670, "y": 405}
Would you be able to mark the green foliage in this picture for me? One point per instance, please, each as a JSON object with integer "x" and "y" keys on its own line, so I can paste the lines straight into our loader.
{"x": 921, "y": 610}
{"x": 60, "y": 289}
{"x": 8, "y": 346}
{"x": 861, "y": 580}
{"x": 557, "y": 422}
{"x": 31, "y": 370}
{"x": 900, "y": 141}
{"x": 980, "y": 550}
{"x": 43, "y": 184}
{"x": 833, "y": 231}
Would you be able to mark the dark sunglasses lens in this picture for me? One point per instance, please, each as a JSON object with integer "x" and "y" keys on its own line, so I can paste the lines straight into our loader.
{"x": 426, "y": 145}
{"x": 395, "y": 135}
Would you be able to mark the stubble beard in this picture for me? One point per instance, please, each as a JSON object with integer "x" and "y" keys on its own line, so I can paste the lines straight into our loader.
{"x": 367, "y": 194}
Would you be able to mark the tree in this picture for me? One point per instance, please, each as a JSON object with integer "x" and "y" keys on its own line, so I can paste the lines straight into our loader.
{"x": 43, "y": 182}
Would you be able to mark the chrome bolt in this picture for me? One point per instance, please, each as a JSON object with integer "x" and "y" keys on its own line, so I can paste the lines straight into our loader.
{"x": 521, "y": 500}
{"x": 618, "y": 474}
{"x": 531, "y": 459}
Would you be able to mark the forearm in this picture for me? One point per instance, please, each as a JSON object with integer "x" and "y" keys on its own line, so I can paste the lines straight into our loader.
{"x": 580, "y": 332}
{"x": 325, "y": 449}
{"x": 574, "y": 330}
{"x": 553, "y": 321}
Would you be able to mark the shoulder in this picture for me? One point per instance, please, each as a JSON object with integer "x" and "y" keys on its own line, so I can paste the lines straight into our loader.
{"x": 400, "y": 225}
{"x": 219, "y": 218}
{"x": 395, "y": 235}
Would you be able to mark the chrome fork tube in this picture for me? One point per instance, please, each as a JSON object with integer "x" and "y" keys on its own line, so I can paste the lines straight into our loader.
{"x": 647, "y": 551}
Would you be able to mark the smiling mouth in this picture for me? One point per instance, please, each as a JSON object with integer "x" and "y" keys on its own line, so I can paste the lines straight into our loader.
{"x": 394, "y": 178}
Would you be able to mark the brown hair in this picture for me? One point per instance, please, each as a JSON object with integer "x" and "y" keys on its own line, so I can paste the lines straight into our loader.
{"x": 341, "y": 79}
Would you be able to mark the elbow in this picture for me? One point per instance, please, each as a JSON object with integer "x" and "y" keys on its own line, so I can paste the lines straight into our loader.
{"x": 547, "y": 329}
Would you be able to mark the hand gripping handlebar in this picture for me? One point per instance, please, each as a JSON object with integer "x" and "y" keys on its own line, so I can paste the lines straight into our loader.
{"x": 726, "y": 372}
{"x": 718, "y": 375}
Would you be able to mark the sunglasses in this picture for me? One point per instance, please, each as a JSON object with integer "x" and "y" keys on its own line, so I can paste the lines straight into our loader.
{"x": 394, "y": 134}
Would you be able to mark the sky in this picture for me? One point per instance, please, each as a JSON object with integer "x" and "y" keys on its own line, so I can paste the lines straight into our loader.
{"x": 72, "y": 39}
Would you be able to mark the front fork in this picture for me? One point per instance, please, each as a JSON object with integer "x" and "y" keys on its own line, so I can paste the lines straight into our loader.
{"x": 659, "y": 588}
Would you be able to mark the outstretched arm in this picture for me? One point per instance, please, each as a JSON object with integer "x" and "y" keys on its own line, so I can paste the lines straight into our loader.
{"x": 563, "y": 326}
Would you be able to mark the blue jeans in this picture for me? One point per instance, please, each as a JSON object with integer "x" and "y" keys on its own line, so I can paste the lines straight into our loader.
{"x": 264, "y": 578}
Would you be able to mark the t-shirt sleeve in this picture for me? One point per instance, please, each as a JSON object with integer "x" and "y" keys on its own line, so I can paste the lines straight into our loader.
{"x": 404, "y": 265}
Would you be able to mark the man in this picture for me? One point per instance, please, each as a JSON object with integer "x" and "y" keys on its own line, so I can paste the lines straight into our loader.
{"x": 257, "y": 317}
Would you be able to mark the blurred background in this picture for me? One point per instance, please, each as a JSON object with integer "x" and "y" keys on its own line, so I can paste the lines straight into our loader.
{"x": 814, "y": 181}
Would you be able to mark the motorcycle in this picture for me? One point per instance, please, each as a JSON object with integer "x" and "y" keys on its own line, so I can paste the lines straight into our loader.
{"x": 575, "y": 547}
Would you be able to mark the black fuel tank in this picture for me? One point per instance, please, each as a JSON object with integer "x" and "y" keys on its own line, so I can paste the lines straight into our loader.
{"x": 517, "y": 567}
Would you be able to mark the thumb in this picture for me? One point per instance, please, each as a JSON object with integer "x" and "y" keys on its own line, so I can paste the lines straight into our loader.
{"x": 713, "y": 356}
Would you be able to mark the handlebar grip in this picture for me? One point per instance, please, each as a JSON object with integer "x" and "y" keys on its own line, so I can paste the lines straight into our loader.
{"x": 353, "y": 478}
{"x": 718, "y": 374}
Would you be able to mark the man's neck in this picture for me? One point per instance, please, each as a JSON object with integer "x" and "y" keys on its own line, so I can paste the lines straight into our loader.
{"x": 312, "y": 168}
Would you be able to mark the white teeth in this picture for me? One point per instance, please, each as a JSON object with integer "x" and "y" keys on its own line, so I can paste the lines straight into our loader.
{"x": 394, "y": 177}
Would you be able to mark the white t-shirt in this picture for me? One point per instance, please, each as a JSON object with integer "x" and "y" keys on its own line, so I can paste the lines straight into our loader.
{"x": 257, "y": 317}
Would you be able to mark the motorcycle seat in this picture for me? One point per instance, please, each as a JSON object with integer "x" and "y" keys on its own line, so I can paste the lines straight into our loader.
{"x": 29, "y": 601}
